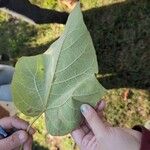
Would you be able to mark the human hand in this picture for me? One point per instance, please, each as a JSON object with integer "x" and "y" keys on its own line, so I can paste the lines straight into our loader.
{"x": 18, "y": 138}
{"x": 97, "y": 135}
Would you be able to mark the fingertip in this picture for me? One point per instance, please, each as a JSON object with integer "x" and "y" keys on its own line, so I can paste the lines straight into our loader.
{"x": 32, "y": 131}
{"x": 73, "y": 133}
{"x": 19, "y": 123}
{"x": 101, "y": 105}
{"x": 23, "y": 136}
{"x": 85, "y": 108}
{"x": 92, "y": 118}
{"x": 28, "y": 144}
{"x": 78, "y": 135}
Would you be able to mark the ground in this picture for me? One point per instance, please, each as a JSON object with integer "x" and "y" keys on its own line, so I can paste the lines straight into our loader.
{"x": 121, "y": 36}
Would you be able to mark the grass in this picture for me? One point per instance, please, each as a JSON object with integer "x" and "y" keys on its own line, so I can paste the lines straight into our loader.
{"x": 120, "y": 32}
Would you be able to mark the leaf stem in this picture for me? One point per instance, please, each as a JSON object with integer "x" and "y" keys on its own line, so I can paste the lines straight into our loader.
{"x": 21, "y": 147}
{"x": 35, "y": 120}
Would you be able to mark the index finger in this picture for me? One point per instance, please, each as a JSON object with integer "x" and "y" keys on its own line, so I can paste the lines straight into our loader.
{"x": 15, "y": 122}
{"x": 93, "y": 120}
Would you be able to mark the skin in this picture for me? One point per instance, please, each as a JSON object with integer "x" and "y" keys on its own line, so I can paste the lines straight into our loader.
{"x": 18, "y": 138}
{"x": 96, "y": 134}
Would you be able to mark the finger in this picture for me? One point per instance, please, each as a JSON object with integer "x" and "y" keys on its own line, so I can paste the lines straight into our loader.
{"x": 87, "y": 138}
{"x": 78, "y": 135}
{"x": 86, "y": 129}
{"x": 15, "y": 122}
{"x": 99, "y": 109}
{"x": 93, "y": 120}
{"x": 101, "y": 106}
{"x": 14, "y": 141}
{"x": 28, "y": 144}
{"x": 93, "y": 140}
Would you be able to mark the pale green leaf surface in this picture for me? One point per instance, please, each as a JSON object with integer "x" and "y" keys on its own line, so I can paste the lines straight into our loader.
{"x": 59, "y": 81}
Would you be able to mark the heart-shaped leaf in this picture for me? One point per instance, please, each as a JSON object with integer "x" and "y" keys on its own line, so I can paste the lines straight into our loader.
{"x": 59, "y": 81}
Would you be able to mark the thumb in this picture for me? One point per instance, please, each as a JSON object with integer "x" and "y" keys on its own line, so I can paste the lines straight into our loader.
{"x": 14, "y": 141}
{"x": 93, "y": 120}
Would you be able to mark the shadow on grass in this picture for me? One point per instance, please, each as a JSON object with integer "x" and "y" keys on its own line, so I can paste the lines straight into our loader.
{"x": 121, "y": 36}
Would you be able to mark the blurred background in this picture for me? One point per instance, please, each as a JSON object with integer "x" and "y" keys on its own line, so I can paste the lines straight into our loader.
{"x": 120, "y": 30}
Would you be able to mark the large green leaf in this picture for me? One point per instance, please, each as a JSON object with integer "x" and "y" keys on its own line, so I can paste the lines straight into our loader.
{"x": 60, "y": 80}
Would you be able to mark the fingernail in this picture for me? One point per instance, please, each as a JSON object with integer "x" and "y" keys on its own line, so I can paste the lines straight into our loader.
{"x": 84, "y": 108}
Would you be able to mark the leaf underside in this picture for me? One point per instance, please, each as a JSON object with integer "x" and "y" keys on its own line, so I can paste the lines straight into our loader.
{"x": 59, "y": 81}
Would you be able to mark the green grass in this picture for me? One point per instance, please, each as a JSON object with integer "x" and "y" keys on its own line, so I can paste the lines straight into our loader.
{"x": 120, "y": 32}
